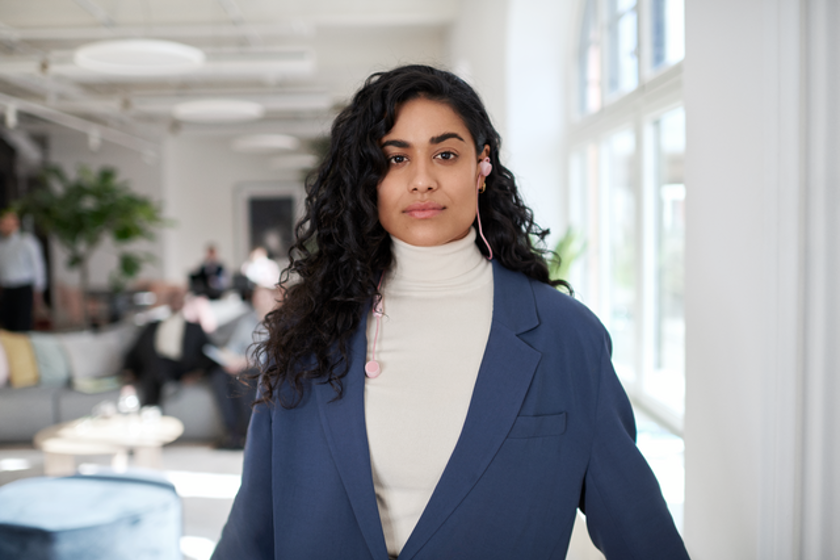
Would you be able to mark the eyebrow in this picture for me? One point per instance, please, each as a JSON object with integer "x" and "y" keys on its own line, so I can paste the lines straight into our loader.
{"x": 433, "y": 140}
{"x": 444, "y": 137}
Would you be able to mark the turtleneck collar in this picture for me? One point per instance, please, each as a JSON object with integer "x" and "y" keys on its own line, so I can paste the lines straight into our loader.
{"x": 443, "y": 264}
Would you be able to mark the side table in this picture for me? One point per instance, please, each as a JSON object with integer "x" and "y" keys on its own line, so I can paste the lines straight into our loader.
{"x": 116, "y": 435}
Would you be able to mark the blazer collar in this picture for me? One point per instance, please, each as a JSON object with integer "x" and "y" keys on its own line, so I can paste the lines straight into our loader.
{"x": 503, "y": 379}
{"x": 344, "y": 426}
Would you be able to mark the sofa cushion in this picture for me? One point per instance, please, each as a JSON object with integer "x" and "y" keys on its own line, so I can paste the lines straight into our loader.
{"x": 53, "y": 367}
{"x": 23, "y": 369}
{"x": 96, "y": 359}
{"x": 4, "y": 368}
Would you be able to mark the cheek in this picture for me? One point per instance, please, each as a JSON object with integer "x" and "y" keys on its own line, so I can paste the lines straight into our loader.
{"x": 467, "y": 194}
{"x": 384, "y": 202}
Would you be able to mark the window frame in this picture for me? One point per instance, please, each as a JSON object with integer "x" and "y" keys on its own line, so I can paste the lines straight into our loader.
{"x": 659, "y": 92}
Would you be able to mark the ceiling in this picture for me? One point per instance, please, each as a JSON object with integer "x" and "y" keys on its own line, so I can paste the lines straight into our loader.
{"x": 300, "y": 59}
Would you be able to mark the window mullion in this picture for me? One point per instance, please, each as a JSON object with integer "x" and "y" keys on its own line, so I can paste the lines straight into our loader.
{"x": 648, "y": 181}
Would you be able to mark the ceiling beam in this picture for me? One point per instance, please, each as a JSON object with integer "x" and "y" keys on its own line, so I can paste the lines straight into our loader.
{"x": 89, "y": 128}
{"x": 279, "y": 29}
{"x": 302, "y": 26}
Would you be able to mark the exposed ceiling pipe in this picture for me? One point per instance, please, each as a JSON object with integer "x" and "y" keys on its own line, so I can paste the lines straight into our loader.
{"x": 91, "y": 129}
{"x": 276, "y": 64}
{"x": 279, "y": 102}
{"x": 291, "y": 28}
{"x": 30, "y": 156}
{"x": 234, "y": 12}
{"x": 40, "y": 84}
{"x": 98, "y": 12}
{"x": 9, "y": 37}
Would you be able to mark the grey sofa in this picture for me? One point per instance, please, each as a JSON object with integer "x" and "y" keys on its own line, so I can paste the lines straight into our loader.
{"x": 76, "y": 371}
{"x": 25, "y": 411}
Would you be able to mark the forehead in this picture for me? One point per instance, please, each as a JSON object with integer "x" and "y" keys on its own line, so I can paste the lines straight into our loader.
{"x": 427, "y": 118}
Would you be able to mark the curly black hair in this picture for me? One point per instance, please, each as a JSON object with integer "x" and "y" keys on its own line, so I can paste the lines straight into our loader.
{"x": 341, "y": 249}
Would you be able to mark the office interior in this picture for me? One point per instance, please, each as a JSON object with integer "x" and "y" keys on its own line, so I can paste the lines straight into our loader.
{"x": 690, "y": 145}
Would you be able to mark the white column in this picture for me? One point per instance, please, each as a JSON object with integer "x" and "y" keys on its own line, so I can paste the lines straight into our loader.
{"x": 762, "y": 259}
{"x": 820, "y": 449}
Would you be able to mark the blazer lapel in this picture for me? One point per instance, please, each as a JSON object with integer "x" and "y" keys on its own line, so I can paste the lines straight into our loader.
{"x": 344, "y": 425}
{"x": 503, "y": 379}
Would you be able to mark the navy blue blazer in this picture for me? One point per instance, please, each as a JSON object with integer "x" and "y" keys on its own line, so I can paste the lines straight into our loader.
{"x": 549, "y": 429}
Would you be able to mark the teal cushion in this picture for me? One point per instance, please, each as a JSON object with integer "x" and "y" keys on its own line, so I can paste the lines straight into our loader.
{"x": 53, "y": 367}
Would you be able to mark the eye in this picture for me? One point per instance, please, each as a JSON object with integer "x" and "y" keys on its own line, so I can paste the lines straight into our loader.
{"x": 397, "y": 159}
{"x": 447, "y": 156}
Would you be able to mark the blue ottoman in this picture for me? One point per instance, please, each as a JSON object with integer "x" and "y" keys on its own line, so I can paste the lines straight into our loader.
{"x": 102, "y": 517}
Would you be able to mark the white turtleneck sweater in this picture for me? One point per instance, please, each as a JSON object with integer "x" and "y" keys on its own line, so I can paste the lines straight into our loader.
{"x": 438, "y": 306}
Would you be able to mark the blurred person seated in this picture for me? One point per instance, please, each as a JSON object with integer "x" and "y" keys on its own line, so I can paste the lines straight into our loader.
{"x": 209, "y": 279}
{"x": 171, "y": 348}
{"x": 234, "y": 384}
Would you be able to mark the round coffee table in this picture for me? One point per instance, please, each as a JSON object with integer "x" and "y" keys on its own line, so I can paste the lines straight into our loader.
{"x": 116, "y": 435}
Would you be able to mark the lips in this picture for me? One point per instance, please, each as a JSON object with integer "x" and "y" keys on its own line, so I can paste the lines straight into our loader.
{"x": 423, "y": 210}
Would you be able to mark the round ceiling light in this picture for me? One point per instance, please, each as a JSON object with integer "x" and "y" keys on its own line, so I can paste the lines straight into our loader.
{"x": 218, "y": 111}
{"x": 264, "y": 143}
{"x": 139, "y": 57}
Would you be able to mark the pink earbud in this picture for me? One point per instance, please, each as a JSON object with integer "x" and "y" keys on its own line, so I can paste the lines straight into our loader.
{"x": 484, "y": 169}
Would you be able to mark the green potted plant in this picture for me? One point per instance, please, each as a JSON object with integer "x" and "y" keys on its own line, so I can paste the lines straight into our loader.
{"x": 81, "y": 212}
{"x": 568, "y": 249}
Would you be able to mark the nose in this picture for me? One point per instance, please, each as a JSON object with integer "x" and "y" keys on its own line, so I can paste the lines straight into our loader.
{"x": 423, "y": 179}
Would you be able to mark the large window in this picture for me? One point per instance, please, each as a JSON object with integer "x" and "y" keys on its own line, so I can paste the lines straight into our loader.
{"x": 627, "y": 195}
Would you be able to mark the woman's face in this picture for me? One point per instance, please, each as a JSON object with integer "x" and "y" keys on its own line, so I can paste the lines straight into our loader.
{"x": 427, "y": 197}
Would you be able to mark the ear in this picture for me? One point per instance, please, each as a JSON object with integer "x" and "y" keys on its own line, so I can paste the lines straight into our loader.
{"x": 485, "y": 153}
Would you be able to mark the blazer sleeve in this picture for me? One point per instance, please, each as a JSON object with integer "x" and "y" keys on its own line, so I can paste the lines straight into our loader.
{"x": 249, "y": 531}
{"x": 626, "y": 515}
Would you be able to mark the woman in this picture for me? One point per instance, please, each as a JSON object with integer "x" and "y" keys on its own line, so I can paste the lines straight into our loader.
{"x": 422, "y": 400}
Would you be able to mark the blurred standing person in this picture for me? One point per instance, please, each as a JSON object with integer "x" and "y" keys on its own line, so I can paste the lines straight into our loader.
{"x": 22, "y": 274}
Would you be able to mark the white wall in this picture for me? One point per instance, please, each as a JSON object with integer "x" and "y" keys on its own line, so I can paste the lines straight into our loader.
{"x": 726, "y": 292}
{"x": 539, "y": 38}
{"x": 478, "y": 53}
{"x": 512, "y": 52}
{"x": 200, "y": 175}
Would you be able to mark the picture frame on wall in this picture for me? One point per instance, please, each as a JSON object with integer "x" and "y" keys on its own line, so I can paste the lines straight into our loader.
{"x": 265, "y": 216}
